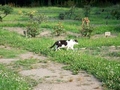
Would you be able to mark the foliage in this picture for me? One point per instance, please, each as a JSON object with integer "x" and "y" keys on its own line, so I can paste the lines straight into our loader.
{"x": 116, "y": 13}
{"x": 86, "y": 31}
{"x": 58, "y": 29}
{"x": 34, "y": 23}
{"x": 87, "y": 10}
{"x": 4, "y": 11}
{"x": 32, "y": 29}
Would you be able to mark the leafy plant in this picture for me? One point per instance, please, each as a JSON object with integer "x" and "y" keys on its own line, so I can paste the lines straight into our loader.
{"x": 86, "y": 31}
{"x": 58, "y": 29}
{"x": 32, "y": 29}
{"x": 34, "y": 24}
{"x": 4, "y": 11}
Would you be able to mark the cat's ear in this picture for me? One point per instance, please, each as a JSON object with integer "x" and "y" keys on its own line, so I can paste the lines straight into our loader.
{"x": 76, "y": 40}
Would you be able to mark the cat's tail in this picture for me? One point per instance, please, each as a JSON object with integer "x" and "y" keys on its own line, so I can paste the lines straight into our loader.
{"x": 52, "y": 45}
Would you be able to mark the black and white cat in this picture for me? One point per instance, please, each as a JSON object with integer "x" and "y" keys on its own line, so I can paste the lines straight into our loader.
{"x": 69, "y": 44}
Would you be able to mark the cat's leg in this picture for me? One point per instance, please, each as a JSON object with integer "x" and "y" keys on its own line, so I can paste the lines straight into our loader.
{"x": 56, "y": 47}
{"x": 68, "y": 47}
{"x": 72, "y": 47}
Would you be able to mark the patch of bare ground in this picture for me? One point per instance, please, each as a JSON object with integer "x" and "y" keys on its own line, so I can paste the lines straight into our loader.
{"x": 51, "y": 75}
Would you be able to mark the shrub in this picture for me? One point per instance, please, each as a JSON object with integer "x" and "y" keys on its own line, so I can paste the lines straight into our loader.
{"x": 5, "y": 10}
{"x": 116, "y": 13}
{"x": 33, "y": 26}
{"x": 58, "y": 29}
{"x": 32, "y": 29}
{"x": 86, "y": 31}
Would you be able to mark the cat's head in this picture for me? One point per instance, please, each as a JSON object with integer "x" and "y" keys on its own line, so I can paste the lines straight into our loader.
{"x": 74, "y": 41}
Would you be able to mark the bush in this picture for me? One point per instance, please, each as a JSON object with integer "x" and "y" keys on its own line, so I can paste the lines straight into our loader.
{"x": 5, "y": 10}
{"x": 34, "y": 24}
{"x": 58, "y": 29}
{"x": 86, "y": 31}
{"x": 32, "y": 29}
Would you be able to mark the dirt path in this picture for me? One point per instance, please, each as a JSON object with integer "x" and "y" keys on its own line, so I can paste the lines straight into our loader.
{"x": 51, "y": 76}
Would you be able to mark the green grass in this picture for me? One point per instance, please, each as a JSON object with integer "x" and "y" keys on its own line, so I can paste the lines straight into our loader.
{"x": 11, "y": 81}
